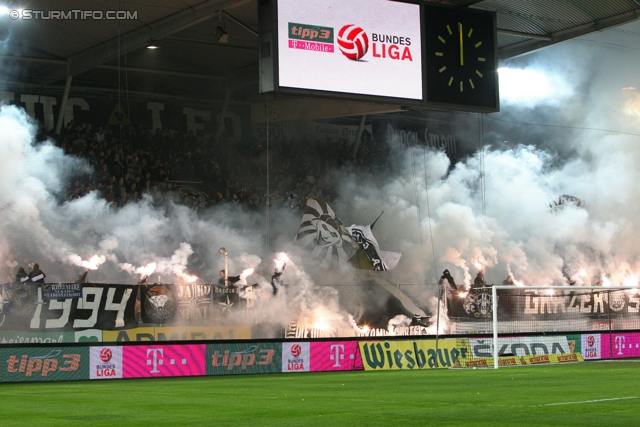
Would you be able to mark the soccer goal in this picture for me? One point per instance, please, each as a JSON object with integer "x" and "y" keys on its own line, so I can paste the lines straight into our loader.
{"x": 532, "y": 322}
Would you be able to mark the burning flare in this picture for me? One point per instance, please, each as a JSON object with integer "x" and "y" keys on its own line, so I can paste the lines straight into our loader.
{"x": 321, "y": 324}
{"x": 246, "y": 273}
{"x": 92, "y": 264}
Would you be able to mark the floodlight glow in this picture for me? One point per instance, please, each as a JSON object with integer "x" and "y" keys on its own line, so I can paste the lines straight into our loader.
{"x": 632, "y": 106}
{"x": 531, "y": 88}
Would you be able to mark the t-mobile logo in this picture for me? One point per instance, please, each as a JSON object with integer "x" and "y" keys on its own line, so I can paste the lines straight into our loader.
{"x": 337, "y": 355}
{"x": 157, "y": 359}
{"x": 620, "y": 344}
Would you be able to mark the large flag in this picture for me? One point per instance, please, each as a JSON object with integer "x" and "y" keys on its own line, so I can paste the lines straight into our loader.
{"x": 374, "y": 258}
{"x": 322, "y": 232}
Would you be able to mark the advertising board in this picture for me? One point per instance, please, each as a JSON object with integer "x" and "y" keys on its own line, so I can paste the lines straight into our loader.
{"x": 591, "y": 348}
{"x": 44, "y": 364}
{"x": 106, "y": 363}
{"x": 369, "y": 47}
{"x": 418, "y": 354}
{"x": 620, "y": 346}
{"x": 143, "y": 361}
{"x": 244, "y": 358}
{"x": 296, "y": 357}
{"x": 335, "y": 356}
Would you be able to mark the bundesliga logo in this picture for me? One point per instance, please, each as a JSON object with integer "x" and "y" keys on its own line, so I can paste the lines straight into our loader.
{"x": 353, "y": 42}
{"x": 296, "y": 350}
{"x": 105, "y": 355}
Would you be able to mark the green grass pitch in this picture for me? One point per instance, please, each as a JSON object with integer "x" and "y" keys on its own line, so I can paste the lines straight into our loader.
{"x": 586, "y": 394}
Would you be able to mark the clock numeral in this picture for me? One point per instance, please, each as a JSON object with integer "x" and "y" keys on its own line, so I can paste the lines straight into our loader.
{"x": 471, "y": 84}
{"x": 449, "y": 29}
{"x": 439, "y": 54}
{"x": 441, "y": 39}
{"x": 477, "y": 45}
{"x": 461, "y": 86}
{"x": 443, "y": 68}
{"x": 470, "y": 32}
{"x": 481, "y": 59}
{"x": 450, "y": 81}
{"x": 479, "y": 73}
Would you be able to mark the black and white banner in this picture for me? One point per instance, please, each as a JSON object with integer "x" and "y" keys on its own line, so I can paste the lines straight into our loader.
{"x": 102, "y": 306}
{"x": 381, "y": 260}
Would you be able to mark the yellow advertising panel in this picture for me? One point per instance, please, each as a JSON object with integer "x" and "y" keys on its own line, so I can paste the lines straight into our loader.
{"x": 487, "y": 362}
{"x": 544, "y": 359}
{"x": 413, "y": 354}
{"x": 173, "y": 333}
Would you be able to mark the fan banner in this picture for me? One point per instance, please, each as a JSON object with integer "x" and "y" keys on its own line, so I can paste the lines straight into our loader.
{"x": 102, "y": 306}
{"x": 323, "y": 234}
{"x": 61, "y": 290}
{"x": 380, "y": 260}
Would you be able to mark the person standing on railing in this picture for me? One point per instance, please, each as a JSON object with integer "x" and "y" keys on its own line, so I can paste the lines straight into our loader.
{"x": 21, "y": 275}
{"x": 37, "y": 276}
{"x": 276, "y": 281}
{"x": 446, "y": 277}
{"x": 479, "y": 282}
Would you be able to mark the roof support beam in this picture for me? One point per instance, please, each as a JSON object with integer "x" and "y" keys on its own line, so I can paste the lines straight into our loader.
{"x": 560, "y": 36}
{"x": 525, "y": 35}
{"x": 210, "y": 43}
{"x": 116, "y": 68}
{"x": 95, "y": 91}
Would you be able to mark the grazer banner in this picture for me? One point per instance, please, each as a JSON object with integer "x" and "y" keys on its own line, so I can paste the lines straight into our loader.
{"x": 244, "y": 358}
{"x": 44, "y": 364}
{"x": 106, "y": 363}
{"x": 415, "y": 354}
{"x": 335, "y": 356}
{"x": 620, "y": 346}
{"x": 296, "y": 357}
{"x": 607, "y": 302}
{"x": 143, "y": 361}
{"x": 369, "y": 47}
{"x": 104, "y": 307}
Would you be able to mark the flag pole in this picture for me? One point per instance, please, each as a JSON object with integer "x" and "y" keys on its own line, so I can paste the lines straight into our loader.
{"x": 374, "y": 222}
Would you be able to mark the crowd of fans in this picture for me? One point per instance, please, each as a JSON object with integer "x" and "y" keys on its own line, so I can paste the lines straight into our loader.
{"x": 125, "y": 165}
{"x": 128, "y": 163}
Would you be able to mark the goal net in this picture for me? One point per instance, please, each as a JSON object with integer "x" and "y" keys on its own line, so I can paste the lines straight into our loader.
{"x": 531, "y": 321}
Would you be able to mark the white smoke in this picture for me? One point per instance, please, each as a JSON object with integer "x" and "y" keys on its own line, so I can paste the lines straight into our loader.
{"x": 427, "y": 201}
{"x": 520, "y": 237}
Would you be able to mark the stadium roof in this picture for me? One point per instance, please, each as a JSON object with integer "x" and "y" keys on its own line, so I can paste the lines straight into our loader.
{"x": 104, "y": 56}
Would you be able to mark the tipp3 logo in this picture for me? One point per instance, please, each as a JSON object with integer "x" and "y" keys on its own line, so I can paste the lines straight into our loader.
{"x": 353, "y": 42}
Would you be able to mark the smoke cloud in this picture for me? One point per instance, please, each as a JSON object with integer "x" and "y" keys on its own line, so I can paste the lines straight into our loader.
{"x": 491, "y": 210}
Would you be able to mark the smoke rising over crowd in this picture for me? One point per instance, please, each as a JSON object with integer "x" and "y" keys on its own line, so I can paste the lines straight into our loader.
{"x": 490, "y": 211}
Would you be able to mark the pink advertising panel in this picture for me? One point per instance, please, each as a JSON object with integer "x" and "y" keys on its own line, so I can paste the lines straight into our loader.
{"x": 620, "y": 346}
{"x": 335, "y": 356}
{"x": 163, "y": 360}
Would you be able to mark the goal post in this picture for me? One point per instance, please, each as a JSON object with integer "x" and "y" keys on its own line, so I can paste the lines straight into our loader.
{"x": 548, "y": 310}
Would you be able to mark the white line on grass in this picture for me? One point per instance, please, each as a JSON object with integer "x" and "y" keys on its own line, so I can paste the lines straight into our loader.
{"x": 589, "y": 401}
